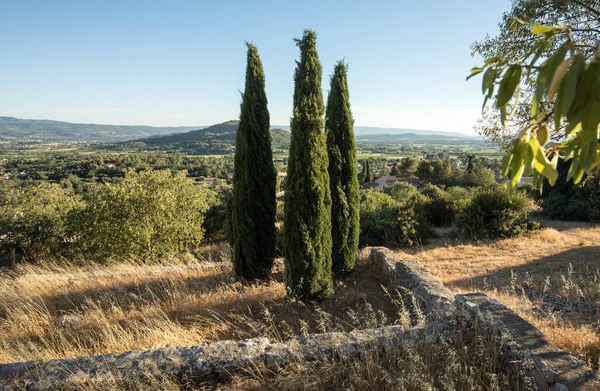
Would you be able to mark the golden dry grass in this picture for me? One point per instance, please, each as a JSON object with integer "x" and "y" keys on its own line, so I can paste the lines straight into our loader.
{"x": 59, "y": 310}
{"x": 551, "y": 278}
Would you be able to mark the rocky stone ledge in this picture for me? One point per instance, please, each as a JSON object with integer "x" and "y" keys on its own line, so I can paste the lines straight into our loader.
{"x": 539, "y": 364}
{"x": 410, "y": 274}
{"x": 210, "y": 362}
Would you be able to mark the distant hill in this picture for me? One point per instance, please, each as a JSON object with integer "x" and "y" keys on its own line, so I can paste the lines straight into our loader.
{"x": 215, "y": 139}
{"x": 35, "y": 130}
{"x": 413, "y": 138}
{"x": 370, "y": 130}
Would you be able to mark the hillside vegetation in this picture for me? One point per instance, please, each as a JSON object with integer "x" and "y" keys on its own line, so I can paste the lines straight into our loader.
{"x": 35, "y": 130}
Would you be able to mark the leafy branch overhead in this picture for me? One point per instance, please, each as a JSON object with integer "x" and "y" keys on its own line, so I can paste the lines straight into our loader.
{"x": 566, "y": 94}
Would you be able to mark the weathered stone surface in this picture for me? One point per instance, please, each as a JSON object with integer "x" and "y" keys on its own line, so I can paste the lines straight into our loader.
{"x": 212, "y": 361}
{"x": 410, "y": 274}
{"x": 538, "y": 361}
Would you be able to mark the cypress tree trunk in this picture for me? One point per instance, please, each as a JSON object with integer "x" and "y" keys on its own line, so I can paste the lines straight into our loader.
{"x": 254, "y": 179}
{"x": 343, "y": 173}
{"x": 307, "y": 224}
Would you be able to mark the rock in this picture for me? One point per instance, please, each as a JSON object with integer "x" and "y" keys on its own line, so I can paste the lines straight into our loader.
{"x": 67, "y": 320}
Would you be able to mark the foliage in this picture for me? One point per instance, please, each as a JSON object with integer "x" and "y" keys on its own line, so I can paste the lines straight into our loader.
{"x": 34, "y": 221}
{"x": 515, "y": 41}
{"x": 385, "y": 221}
{"x": 569, "y": 202}
{"x": 437, "y": 207}
{"x": 563, "y": 65}
{"x": 254, "y": 180}
{"x": 460, "y": 198}
{"x": 496, "y": 213}
{"x": 479, "y": 176}
{"x": 437, "y": 172}
{"x": 407, "y": 167}
{"x": 149, "y": 214}
{"x": 343, "y": 173}
{"x": 217, "y": 217}
{"x": 307, "y": 196}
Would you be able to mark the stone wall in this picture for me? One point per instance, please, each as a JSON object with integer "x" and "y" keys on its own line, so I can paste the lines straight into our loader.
{"x": 538, "y": 364}
{"x": 410, "y": 274}
{"x": 211, "y": 362}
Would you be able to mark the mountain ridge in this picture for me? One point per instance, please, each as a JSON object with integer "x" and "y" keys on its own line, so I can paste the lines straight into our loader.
{"x": 14, "y": 129}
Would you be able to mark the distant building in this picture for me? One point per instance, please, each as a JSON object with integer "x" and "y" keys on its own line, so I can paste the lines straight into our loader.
{"x": 280, "y": 196}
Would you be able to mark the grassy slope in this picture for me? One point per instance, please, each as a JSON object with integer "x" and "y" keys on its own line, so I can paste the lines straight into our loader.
{"x": 550, "y": 278}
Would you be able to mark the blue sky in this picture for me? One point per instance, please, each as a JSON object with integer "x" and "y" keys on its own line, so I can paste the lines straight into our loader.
{"x": 183, "y": 62}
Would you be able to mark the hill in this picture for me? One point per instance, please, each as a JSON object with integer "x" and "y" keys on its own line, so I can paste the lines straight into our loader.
{"x": 215, "y": 139}
{"x": 35, "y": 130}
{"x": 373, "y": 131}
{"x": 414, "y": 138}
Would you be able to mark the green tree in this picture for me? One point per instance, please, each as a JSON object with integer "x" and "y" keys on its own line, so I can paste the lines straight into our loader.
{"x": 406, "y": 168}
{"x": 514, "y": 41}
{"x": 437, "y": 172}
{"x": 367, "y": 175}
{"x": 345, "y": 191}
{"x": 307, "y": 221}
{"x": 149, "y": 214}
{"x": 34, "y": 221}
{"x": 254, "y": 180}
{"x": 561, "y": 65}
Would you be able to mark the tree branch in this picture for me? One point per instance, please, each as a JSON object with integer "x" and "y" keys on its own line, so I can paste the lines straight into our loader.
{"x": 589, "y": 8}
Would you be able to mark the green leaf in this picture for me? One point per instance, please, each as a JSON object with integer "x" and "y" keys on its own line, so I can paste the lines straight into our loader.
{"x": 559, "y": 74}
{"x": 509, "y": 84}
{"x": 543, "y": 135}
{"x": 590, "y": 121}
{"x": 506, "y": 160}
{"x": 541, "y": 29}
{"x": 545, "y": 76}
{"x": 475, "y": 71}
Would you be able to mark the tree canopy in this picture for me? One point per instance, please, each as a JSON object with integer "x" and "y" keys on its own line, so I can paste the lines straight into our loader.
{"x": 557, "y": 66}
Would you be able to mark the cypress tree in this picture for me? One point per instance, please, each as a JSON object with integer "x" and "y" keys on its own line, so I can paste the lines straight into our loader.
{"x": 254, "y": 179}
{"x": 368, "y": 173}
{"x": 343, "y": 173}
{"x": 307, "y": 222}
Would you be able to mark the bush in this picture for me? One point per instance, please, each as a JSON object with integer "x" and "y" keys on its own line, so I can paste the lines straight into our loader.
{"x": 479, "y": 176}
{"x": 496, "y": 213}
{"x": 386, "y": 222}
{"x": 437, "y": 207}
{"x": 566, "y": 201}
{"x": 149, "y": 214}
{"x": 215, "y": 221}
{"x": 460, "y": 198}
{"x": 437, "y": 172}
{"x": 33, "y": 221}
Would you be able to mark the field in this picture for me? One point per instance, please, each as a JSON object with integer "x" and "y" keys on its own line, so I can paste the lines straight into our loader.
{"x": 62, "y": 309}
{"x": 551, "y": 279}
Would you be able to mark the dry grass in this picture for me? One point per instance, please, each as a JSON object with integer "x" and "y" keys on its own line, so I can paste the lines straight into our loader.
{"x": 63, "y": 310}
{"x": 551, "y": 278}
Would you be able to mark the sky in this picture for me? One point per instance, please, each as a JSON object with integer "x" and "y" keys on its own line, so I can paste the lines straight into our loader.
{"x": 182, "y": 63}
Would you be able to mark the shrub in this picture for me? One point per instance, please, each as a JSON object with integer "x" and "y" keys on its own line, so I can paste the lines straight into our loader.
{"x": 34, "y": 221}
{"x": 404, "y": 193}
{"x": 437, "y": 207}
{"x": 496, "y": 213}
{"x": 387, "y": 222}
{"x": 479, "y": 176}
{"x": 149, "y": 214}
{"x": 460, "y": 198}
{"x": 437, "y": 172}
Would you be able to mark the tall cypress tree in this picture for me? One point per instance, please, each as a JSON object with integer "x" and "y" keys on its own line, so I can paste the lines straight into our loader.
{"x": 254, "y": 179}
{"x": 343, "y": 173}
{"x": 307, "y": 223}
{"x": 369, "y": 177}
